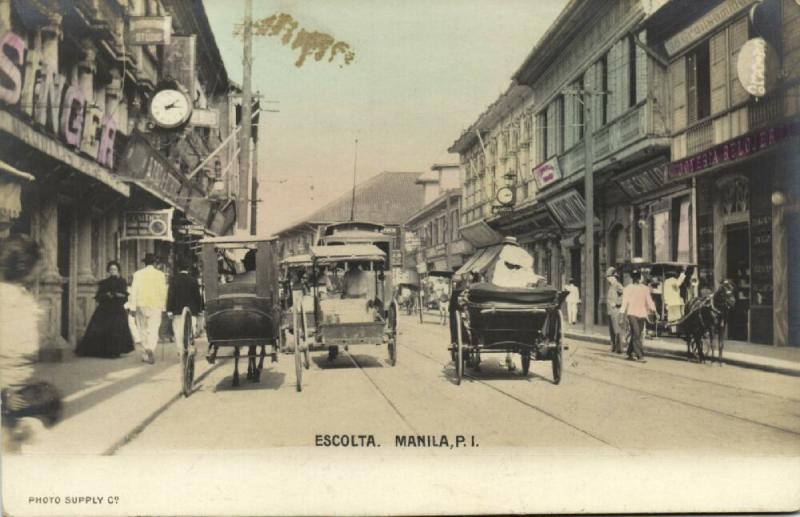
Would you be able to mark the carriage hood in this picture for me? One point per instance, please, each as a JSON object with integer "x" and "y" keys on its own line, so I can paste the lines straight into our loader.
{"x": 505, "y": 265}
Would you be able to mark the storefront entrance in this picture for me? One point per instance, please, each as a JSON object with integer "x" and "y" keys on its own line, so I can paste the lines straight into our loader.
{"x": 738, "y": 270}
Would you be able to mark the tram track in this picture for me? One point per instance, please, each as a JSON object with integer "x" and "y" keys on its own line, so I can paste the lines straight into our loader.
{"x": 525, "y": 403}
{"x": 624, "y": 387}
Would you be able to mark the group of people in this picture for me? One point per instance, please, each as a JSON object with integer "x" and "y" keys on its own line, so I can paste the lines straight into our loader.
{"x": 126, "y": 316}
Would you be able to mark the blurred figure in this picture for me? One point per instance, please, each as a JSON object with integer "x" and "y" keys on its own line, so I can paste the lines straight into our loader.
{"x": 573, "y": 299}
{"x": 22, "y": 401}
{"x": 613, "y": 304}
{"x": 672, "y": 299}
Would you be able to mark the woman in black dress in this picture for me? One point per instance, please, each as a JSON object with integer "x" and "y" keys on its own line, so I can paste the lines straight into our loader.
{"x": 108, "y": 334}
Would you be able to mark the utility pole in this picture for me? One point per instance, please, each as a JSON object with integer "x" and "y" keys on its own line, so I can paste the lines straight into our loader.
{"x": 247, "y": 123}
{"x": 353, "y": 199}
{"x": 254, "y": 190}
{"x": 588, "y": 188}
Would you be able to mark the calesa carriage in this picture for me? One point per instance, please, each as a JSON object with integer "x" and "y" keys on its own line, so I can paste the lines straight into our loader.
{"x": 352, "y": 303}
{"x": 299, "y": 320}
{"x": 507, "y": 309}
{"x": 240, "y": 276}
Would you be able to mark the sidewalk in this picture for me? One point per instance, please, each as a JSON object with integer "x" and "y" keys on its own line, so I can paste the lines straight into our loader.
{"x": 784, "y": 360}
{"x": 107, "y": 401}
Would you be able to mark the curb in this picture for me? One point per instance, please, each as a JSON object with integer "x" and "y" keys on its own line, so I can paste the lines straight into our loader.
{"x": 656, "y": 351}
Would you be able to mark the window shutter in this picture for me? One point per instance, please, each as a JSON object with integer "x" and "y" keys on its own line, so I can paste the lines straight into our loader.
{"x": 589, "y": 86}
{"x": 570, "y": 132}
{"x": 738, "y": 33}
{"x": 621, "y": 71}
{"x": 691, "y": 87}
{"x": 719, "y": 73}
{"x": 641, "y": 71}
{"x": 552, "y": 125}
{"x": 677, "y": 75}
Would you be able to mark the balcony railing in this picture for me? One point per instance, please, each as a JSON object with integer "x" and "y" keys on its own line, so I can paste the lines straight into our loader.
{"x": 700, "y": 137}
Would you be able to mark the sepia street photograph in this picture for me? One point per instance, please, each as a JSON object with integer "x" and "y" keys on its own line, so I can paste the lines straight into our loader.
{"x": 348, "y": 257}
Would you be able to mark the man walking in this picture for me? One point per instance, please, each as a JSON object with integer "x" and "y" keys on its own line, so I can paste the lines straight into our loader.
{"x": 184, "y": 291}
{"x": 613, "y": 303}
{"x": 148, "y": 300}
{"x": 637, "y": 304}
{"x": 573, "y": 299}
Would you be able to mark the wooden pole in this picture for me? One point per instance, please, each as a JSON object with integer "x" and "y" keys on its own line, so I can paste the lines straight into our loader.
{"x": 247, "y": 128}
{"x": 588, "y": 187}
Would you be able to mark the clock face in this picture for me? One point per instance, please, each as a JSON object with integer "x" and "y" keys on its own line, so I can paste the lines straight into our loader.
{"x": 505, "y": 196}
{"x": 170, "y": 108}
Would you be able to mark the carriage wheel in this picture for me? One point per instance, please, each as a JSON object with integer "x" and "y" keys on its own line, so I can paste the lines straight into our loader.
{"x": 526, "y": 362}
{"x": 459, "y": 351}
{"x": 557, "y": 357}
{"x": 392, "y": 345}
{"x": 188, "y": 353}
{"x": 306, "y": 342}
{"x": 298, "y": 367}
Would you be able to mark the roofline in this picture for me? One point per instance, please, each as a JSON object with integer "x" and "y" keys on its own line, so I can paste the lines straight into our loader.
{"x": 440, "y": 166}
{"x": 452, "y": 192}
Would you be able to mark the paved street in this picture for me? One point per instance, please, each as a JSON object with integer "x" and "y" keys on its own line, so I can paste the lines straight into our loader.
{"x": 604, "y": 403}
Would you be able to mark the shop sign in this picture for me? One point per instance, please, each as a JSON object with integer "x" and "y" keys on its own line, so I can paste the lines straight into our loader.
{"x": 757, "y": 67}
{"x": 140, "y": 161}
{"x": 569, "y": 209}
{"x": 705, "y": 25}
{"x": 546, "y": 173}
{"x": 149, "y": 30}
{"x": 54, "y": 104}
{"x": 732, "y": 150}
{"x": 179, "y": 61}
{"x": 148, "y": 224}
{"x": 205, "y": 118}
{"x": 190, "y": 229}
{"x": 645, "y": 181}
{"x": 411, "y": 240}
{"x": 397, "y": 258}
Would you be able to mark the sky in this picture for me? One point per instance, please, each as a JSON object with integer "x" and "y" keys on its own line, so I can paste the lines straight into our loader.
{"x": 423, "y": 71}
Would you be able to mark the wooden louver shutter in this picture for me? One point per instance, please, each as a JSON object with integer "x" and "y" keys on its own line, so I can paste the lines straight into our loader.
{"x": 677, "y": 75}
{"x": 738, "y": 33}
{"x": 719, "y": 73}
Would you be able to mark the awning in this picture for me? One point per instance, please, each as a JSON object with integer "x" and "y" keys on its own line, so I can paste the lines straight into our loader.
{"x": 480, "y": 234}
{"x": 480, "y": 261}
{"x": 11, "y": 180}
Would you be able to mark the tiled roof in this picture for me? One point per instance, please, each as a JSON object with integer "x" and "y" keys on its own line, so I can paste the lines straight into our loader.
{"x": 388, "y": 198}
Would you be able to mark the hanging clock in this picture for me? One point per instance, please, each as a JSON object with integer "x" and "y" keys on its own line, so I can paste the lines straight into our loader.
{"x": 170, "y": 107}
{"x": 505, "y": 196}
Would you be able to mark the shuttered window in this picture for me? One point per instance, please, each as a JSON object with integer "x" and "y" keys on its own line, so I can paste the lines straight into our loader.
{"x": 698, "y": 82}
{"x": 541, "y": 137}
{"x": 632, "y": 76}
{"x": 677, "y": 72}
{"x": 719, "y": 72}
{"x": 552, "y": 148}
{"x": 603, "y": 84}
{"x": 738, "y": 34}
{"x": 560, "y": 111}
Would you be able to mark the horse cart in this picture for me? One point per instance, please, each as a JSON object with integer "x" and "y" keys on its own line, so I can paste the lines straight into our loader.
{"x": 493, "y": 316}
{"x": 298, "y": 311}
{"x": 240, "y": 277}
{"x": 352, "y": 301}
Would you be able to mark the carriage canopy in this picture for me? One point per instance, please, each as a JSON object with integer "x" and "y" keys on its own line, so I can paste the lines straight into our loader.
{"x": 505, "y": 264}
{"x": 347, "y": 252}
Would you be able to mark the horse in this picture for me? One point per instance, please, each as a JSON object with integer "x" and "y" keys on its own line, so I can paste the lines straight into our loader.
{"x": 706, "y": 316}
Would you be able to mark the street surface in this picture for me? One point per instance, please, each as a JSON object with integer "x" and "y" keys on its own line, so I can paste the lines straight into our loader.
{"x": 604, "y": 404}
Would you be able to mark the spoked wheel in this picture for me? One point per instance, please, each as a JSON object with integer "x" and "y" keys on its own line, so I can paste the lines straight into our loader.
{"x": 526, "y": 362}
{"x": 557, "y": 358}
{"x": 459, "y": 351}
{"x": 392, "y": 345}
{"x": 307, "y": 342}
{"x": 298, "y": 367}
{"x": 187, "y": 353}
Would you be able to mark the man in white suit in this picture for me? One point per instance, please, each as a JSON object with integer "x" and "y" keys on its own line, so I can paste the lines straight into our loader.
{"x": 148, "y": 299}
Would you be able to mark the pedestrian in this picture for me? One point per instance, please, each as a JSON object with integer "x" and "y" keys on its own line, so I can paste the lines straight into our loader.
{"x": 183, "y": 292}
{"x": 444, "y": 301}
{"x": 148, "y": 300}
{"x": 108, "y": 334}
{"x": 573, "y": 299}
{"x": 613, "y": 304}
{"x": 22, "y": 401}
{"x": 637, "y": 305}
{"x": 671, "y": 296}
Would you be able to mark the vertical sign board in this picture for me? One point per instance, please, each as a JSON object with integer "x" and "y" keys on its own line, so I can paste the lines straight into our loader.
{"x": 761, "y": 258}
{"x": 705, "y": 234}
{"x": 141, "y": 162}
{"x": 179, "y": 62}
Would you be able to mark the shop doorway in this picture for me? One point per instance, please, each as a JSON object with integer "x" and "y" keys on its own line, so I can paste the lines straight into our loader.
{"x": 737, "y": 267}
{"x": 64, "y": 225}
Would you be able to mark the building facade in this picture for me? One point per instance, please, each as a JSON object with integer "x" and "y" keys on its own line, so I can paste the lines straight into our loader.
{"x": 734, "y": 108}
{"x": 74, "y": 115}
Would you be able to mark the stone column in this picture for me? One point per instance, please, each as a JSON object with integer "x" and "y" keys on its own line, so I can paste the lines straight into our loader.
{"x": 555, "y": 264}
{"x": 51, "y": 344}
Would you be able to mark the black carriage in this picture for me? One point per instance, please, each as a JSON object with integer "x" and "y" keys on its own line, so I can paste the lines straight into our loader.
{"x": 493, "y": 318}
{"x": 240, "y": 276}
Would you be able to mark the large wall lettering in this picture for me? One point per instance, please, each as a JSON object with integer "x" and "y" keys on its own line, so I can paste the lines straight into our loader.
{"x": 41, "y": 94}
